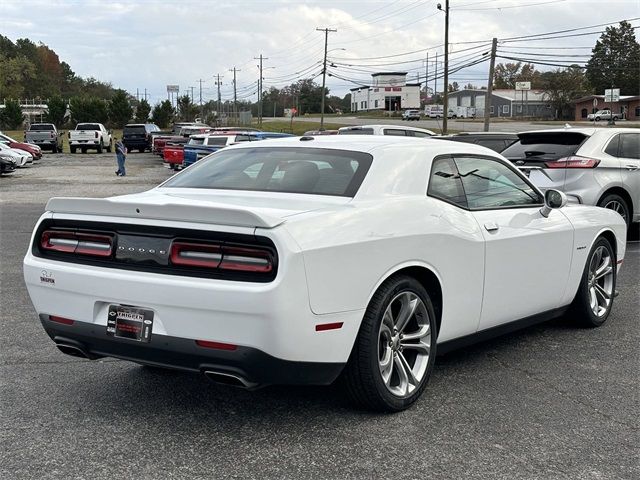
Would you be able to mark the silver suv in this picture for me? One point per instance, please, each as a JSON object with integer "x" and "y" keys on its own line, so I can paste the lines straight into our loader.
{"x": 594, "y": 166}
{"x": 411, "y": 115}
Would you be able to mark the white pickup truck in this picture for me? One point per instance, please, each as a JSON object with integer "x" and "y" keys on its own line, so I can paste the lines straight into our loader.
{"x": 90, "y": 136}
{"x": 603, "y": 115}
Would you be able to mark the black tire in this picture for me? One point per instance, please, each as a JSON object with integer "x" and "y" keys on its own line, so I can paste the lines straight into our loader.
{"x": 141, "y": 150}
{"x": 615, "y": 202}
{"x": 54, "y": 149}
{"x": 362, "y": 377}
{"x": 110, "y": 147}
{"x": 100, "y": 147}
{"x": 83, "y": 149}
{"x": 597, "y": 119}
{"x": 72, "y": 149}
{"x": 581, "y": 310}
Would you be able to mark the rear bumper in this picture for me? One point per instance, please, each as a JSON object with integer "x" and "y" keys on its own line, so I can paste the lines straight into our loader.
{"x": 251, "y": 364}
{"x": 135, "y": 143}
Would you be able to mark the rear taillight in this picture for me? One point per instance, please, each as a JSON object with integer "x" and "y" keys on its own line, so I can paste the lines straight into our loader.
{"x": 573, "y": 162}
{"x": 69, "y": 134}
{"x": 77, "y": 242}
{"x": 51, "y": 134}
{"x": 222, "y": 257}
{"x": 97, "y": 134}
{"x": 63, "y": 320}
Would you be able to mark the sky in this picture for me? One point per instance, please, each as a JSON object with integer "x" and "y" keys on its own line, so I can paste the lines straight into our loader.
{"x": 148, "y": 44}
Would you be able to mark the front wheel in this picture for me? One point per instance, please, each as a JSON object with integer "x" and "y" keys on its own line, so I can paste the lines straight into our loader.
{"x": 394, "y": 352}
{"x": 592, "y": 304}
{"x": 100, "y": 147}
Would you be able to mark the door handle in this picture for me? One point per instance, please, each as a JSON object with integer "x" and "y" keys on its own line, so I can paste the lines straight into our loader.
{"x": 491, "y": 226}
{"x": 632, "y": 167}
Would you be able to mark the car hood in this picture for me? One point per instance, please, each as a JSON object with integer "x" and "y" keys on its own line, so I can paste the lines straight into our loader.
{"x": 234, "y": 208}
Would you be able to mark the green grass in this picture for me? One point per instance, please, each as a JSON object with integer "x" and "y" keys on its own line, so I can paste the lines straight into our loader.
{"x": 19, "y": 136}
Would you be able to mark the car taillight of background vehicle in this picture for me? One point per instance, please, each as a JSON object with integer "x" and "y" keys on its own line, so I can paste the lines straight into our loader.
{"x": 77, "y": 242}
{"x": 97, "y": 134}
{"x": 222, "y": 257}
{"x": 573, "y": 162}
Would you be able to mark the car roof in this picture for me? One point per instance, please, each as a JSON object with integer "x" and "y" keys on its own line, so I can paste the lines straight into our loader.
{"x": 367, "y": 144}
{"x": 588, "y": 131}
{"x": 400, "y": 127}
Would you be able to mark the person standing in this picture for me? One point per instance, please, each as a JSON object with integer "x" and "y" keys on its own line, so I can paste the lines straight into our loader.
{"x": 121, "y": 155}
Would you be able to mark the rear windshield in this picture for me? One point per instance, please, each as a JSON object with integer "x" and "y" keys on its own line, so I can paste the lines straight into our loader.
{"x": 313, "y": 171}
{"x": 544, "y": 145}
{"x": 195, "y": 141}
{"x": 87, "y": 126}
{"x": 357, "y": 131}
{"x": 217, "y": 141}
{"x": 134, "y": 130}
{"x": 41, "y": 127}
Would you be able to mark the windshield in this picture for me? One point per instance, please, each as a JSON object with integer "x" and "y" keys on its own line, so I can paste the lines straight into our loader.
{"x": 87, "y": 126}
{"x": 544, "y": 146}
{"x": 41, "y": 127}
{"x": 293, "y": 170}
{"x": 356, "y": 131}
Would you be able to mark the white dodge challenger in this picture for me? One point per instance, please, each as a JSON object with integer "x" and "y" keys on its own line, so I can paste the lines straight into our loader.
{"x": 299, "y": 260}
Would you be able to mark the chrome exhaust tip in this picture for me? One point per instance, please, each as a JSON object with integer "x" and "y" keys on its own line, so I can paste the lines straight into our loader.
{"x": 230, "y": 379}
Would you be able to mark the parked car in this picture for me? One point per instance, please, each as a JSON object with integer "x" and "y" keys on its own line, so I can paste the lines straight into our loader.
{"x": 397, "y": 130}
{"x": 7, "y": 165}
{"x": 178, "y": 126}
{"x": 604, "y": 115}
{"x": 19, "y": 157}
{"x": 461, "y": 112}
{"x": 434, "y": 111}
{"x": 411, "y": 115}
{"x": 45, "y": 135}
{"x": 199, "y": 146}
{"x": 494, "y": 140}
{"x": 592, "y": 166}
{"x": 173, "y": 156}
{"x": 138, "y": 136}
{"x": 90, "y": 136}
{"x": 301, "y": 259}
{"x": 34, "y": 150}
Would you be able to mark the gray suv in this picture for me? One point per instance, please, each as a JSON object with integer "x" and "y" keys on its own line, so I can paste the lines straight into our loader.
{"x": 594, "y": 166}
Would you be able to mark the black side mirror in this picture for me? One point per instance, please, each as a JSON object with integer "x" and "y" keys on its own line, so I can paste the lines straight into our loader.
{"x": 553, "y": 199}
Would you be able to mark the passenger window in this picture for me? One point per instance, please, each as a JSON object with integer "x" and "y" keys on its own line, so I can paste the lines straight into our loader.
{"x": 612, "y": 148}
{"x": 490, "y": 184}
{"x": 445, "y": 182}
{"x": 395, "y": 131}
{"x": 420, "y": 134}
{"x": 630, "y": 145}
{"x": 242, "y": 138}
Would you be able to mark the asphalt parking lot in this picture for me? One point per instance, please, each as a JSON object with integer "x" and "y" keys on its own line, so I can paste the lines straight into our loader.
{"x": 550, "y": 402}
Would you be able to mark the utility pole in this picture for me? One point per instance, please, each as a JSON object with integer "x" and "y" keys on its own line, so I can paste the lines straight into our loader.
{"x": 200, "y": 97}
{"x": 426, "y": 77}
{"x": 446, "y": 66}
{"x": 145, "y": 94}
{"x": 261, "y": 58}
{"x": 487, "y": 98}
{"x": 137, "y": 94}
{"x": 191, "y": 88}
{"x": 324, "y": 71}
{"x": 218, "y": 83}
{"x": 235, "y": 97}
{"x": 435, "y": 79}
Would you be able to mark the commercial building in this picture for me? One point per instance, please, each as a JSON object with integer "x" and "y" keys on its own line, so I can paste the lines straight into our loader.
{"x": 628, "y": 106}
{"x": 388, "y": 91}
{"x": 504, "y": 102}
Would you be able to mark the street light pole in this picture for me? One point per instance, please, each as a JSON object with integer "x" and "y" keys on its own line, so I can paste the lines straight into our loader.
{"x": 324, "y": 71}
{"x": 446, "y": 66}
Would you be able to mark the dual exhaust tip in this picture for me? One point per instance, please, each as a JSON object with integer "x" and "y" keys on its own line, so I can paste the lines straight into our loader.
{"x": 223, "y": 378}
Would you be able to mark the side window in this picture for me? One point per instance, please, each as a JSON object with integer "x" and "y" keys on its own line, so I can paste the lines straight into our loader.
{"x": 445, "y": 182}
{"x": 612, "y": 147}
{"x": 420, "y": 134}
{"x": 395, "y": 131}
{"x": 495, "y": 145}
{"x": 242, "y": 138}
{"x": 490, "y": 184}
{"x": 630, "y": 145}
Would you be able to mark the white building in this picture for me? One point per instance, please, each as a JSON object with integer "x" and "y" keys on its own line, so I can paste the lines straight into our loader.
{"x": 388, "y": 91}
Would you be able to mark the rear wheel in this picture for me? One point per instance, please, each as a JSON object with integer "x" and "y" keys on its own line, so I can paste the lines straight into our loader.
{"x": 54, "y": 149}
{"x": 615, "y": 202}
{"x": 594, "y": 299}
{"x": 394, "y": 352}
{"x": 100, "y": 147}
{"x": 141, "y": 150}
{"x": 84, "y": 149}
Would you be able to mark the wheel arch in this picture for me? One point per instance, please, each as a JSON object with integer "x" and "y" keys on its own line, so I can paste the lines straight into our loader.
{"x": 428, "y": 278}
{"x": 617, "y": 190}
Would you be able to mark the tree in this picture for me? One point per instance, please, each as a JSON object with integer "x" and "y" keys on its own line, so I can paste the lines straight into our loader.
{"x": 615, "y": 61}
{"x": 507, "y": 74}
{"x": 187, "y": 111}
{"x": 16, "y": 72}
{"x": 142, "y": 111}
{"x": 88, "y": 109}
{"x": 120, "y": 111}
{"x": 454, "y": 87}
{"x": 163, "y": 114}
{"x": 11, "y": 115}
{"x": 562, "y": 86}
{"x": 56, "y": 110}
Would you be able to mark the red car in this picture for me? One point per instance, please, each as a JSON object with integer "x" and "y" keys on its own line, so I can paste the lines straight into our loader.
{"x": 34, "y": 150}
{"x": 173, "y": 155}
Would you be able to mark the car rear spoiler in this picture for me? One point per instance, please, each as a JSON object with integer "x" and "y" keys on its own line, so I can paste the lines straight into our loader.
{"x": 211, "y": 213}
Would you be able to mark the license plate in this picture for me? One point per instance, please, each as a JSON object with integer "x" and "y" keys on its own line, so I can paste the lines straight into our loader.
{"x": 132, "y": 323}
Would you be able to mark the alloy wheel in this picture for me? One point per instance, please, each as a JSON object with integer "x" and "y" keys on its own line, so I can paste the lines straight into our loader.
{"x": 404, "y": 344}
{"x": 600, "y": 281}
{"x": 616, "y": 206}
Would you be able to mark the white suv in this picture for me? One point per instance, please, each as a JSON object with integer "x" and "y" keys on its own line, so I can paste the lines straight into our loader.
{"x": 411, "y": 115}
{"x": 594, "y": 166}
{"x": 397, "y": 130}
